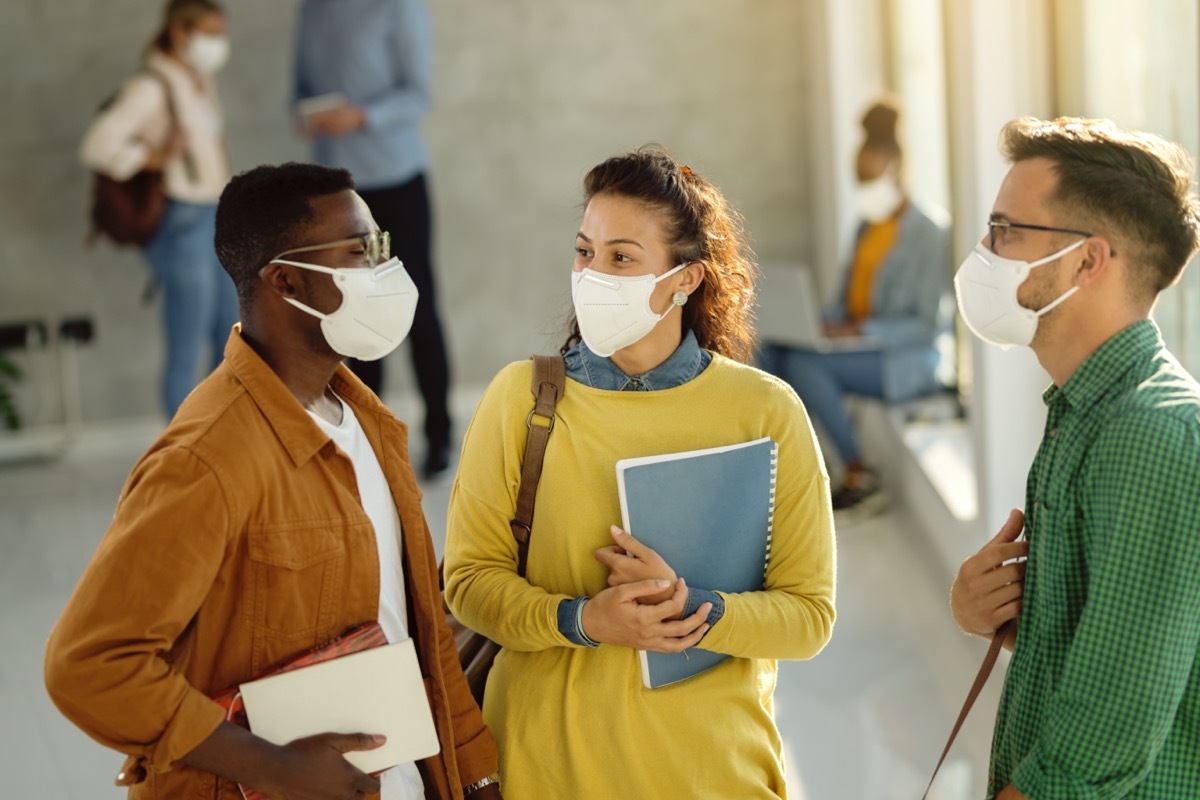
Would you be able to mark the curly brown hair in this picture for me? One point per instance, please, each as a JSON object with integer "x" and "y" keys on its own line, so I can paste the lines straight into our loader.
{"x": 700, "y": 227}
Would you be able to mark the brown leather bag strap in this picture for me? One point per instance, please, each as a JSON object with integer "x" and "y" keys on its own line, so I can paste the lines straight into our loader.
{"x": 549, "y": 383}
{"x": 985, "y": 670}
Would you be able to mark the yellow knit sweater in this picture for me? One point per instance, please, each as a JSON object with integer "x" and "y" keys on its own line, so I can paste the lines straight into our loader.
{"x": 576, "y": 722}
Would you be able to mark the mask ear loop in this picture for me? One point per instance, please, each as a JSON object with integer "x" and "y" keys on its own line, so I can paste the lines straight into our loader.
{"x": 1062, "y": 297}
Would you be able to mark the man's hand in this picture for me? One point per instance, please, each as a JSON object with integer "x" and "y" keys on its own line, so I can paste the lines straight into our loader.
{"x": 614, "y": 616}
{"x": 312, "y": 768}
{"x": 1010, "y": 793}
{"x": 337, "y": 121}
{"x": 987, "y": 591}
{"x": 630, "y": 561}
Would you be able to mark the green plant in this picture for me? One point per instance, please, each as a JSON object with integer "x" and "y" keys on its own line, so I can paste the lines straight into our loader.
{"x": 10, "y": 373}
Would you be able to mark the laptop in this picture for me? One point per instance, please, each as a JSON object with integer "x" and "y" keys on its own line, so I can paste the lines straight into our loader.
{"x": 789, "y": 312}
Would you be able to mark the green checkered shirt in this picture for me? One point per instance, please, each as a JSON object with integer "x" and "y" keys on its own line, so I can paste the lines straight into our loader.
{"x": 1102, "y": 697}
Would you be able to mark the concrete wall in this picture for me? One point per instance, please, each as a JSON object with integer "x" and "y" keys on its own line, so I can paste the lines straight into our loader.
{"x": 529, "y": 95}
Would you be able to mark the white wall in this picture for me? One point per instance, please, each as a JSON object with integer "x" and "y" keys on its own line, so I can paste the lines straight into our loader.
{"x": 528, "y": 96}
{"x": 989, "y": 85}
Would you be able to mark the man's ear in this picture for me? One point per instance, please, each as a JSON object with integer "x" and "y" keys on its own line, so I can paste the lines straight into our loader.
{"x": 1096, "y": 263}
{"x": 282, "y": 280}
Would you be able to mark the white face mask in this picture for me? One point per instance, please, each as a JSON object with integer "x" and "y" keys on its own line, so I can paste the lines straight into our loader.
{"x": 614, "y": 311}
{"x": 986, "y": 288}
{"x": 207, "y": 53}
{"x": 878, "y": 199}
{"x": 378, "y": 304}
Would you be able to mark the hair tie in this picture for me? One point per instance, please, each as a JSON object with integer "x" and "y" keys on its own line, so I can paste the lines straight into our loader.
{"x": 686, "y": 170}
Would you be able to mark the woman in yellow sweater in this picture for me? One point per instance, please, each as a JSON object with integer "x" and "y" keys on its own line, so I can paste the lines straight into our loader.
{"x": 659, "y": 369}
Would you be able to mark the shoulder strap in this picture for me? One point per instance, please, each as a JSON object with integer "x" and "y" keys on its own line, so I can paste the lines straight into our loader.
{"x": 188, "y": 162}
{"x": 549, "y": 383}
{"x": 985, "y": 669}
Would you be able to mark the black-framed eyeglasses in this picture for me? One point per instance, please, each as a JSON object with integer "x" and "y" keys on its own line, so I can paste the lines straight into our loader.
{"x": 1004, "y": 225}
{"x": 376, "y": 246}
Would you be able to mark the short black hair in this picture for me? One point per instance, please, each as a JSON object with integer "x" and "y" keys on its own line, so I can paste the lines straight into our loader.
{"x": 262, "y": 210}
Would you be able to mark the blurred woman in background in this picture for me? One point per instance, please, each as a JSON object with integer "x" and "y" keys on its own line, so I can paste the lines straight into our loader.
{"x": 167, "y": 117}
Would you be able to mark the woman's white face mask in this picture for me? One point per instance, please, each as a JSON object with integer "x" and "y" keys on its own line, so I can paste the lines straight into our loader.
{"x": 614, "y": 311}
{"x": 879, "y": 199}
{"x": 207, "y": 52}
{"x": 986, "y": 288}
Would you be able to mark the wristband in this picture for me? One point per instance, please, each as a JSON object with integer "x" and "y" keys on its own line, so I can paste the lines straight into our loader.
{"x": 479, "y": 784}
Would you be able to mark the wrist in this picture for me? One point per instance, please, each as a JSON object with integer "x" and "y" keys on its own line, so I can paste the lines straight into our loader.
{"x": 490, "y": 780}
{"x": 587, "y": 640}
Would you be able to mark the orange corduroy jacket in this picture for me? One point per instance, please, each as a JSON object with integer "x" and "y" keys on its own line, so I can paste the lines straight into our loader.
{"x": 239, "y": 542}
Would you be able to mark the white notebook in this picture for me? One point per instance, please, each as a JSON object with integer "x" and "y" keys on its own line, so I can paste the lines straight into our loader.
{"x": 379, "y": 691}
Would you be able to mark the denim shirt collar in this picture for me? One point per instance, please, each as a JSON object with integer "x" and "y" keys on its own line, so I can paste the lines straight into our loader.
{"x": 598, "y": 372}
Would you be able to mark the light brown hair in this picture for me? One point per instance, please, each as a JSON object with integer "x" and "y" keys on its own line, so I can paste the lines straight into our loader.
{"x": 1132, "y": 187}
{"x": 181, "y": 12}
{"x": 700, "y": 227}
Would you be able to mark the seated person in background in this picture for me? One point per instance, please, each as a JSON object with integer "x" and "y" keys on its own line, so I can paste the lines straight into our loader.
{"x": 889, "y": 293}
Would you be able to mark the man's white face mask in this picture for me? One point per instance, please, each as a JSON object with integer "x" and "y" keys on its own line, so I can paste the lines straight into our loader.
{"x": 986, "y": 288}
{"x": 378, "y": 305}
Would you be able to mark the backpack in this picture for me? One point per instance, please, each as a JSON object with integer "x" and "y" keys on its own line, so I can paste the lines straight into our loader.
{"x": 129, "y": 212}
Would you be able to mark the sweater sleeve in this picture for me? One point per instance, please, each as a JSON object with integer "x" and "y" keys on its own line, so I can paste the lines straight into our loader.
{"x": 792, "y": 616}
{"x": 483, "y": 588}
{"x": 116, "y": 144}
{"x": 408, "y": 99}
{"x": 105, "y": 667}
{"x": 921, "y": 258}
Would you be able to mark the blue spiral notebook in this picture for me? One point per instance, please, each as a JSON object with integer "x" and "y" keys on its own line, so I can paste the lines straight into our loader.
{"x": 708, "y": 513}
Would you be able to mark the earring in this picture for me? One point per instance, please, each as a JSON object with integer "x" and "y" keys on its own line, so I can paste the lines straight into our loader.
{"x": 679, "y": 298}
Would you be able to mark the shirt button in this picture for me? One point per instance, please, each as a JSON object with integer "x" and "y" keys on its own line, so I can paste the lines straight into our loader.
{"x": 1054, "y": 432}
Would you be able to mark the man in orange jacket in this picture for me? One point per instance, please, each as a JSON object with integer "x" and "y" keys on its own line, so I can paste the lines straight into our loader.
{"x": 277, "y": 510}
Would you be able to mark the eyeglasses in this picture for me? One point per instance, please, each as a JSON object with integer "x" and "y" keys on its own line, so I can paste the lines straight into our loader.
{"x": 1005, "y": 225}
{"x": 376, "y": 247}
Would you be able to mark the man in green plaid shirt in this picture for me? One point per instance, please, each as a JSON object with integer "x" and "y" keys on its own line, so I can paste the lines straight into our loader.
{"x": 1102, "y": 696}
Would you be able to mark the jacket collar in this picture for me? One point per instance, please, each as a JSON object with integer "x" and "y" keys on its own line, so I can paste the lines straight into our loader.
{"x": 297, "y": 432}
{"x": 598, "y": 372}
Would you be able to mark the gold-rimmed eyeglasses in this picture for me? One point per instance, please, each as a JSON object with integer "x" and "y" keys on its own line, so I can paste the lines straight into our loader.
{"x": 376, "y": 247}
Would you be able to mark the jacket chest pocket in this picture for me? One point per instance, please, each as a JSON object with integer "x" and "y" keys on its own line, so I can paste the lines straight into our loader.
{"x": 296, "y": 577}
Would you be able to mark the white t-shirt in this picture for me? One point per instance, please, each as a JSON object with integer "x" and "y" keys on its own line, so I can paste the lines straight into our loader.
{"x": 402, "y": 782}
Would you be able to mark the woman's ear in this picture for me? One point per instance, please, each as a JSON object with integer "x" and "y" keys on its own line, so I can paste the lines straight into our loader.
{"x": 177, "y": 35}
{"x": 693, "y": 276}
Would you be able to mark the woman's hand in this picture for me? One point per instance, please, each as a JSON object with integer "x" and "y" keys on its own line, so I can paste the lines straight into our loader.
{"x": 614, "y": 616}
{"x": 836, "y": 330}
{"x": 630, "y": 561}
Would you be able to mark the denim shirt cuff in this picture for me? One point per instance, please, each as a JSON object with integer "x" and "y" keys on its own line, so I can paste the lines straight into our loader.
{"x": 698, "y": 597}
{"x": 570, "y": 622}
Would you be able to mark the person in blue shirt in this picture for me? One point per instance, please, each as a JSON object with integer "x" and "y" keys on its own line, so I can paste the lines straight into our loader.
{"x": 368, "y": 63}
{"x": 890, "y": 293}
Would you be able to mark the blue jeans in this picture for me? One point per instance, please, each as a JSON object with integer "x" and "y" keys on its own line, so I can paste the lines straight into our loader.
{"x": 822, "y": 380}
{"x": 199, "y": 300}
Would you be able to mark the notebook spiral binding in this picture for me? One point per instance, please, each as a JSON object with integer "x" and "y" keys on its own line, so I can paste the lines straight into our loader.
{"x": 771, "y": 513}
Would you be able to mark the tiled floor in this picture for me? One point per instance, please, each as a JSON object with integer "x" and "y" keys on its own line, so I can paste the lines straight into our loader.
{"x": 865, "y": 720}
